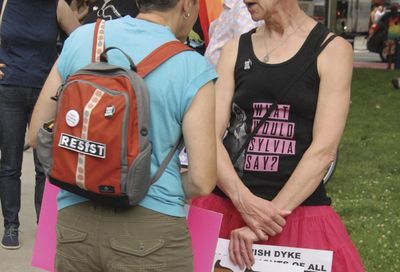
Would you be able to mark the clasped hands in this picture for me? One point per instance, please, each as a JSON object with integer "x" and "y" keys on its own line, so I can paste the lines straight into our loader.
{"x": 263, "y": 219}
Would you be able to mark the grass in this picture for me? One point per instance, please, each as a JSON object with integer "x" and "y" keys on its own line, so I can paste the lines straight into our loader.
{"x": 366, "y": 186}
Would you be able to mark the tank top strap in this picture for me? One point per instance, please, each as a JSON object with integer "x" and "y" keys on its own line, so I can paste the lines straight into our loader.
{"x": 317, "y": 37}
{"x": 244, "y": 54}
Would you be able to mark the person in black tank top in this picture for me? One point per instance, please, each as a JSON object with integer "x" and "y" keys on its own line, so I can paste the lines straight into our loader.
{"x": 271, "y": 191}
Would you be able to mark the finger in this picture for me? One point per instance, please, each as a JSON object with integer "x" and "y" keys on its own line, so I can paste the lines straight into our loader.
{"x": 285, "y": 213}
{"x": 230, "y": 249}
{"x": 256, "y": 228}
{"x": 268, "y": 230}
{"x": 2, "y": 65}
{"x": 238, "y": 254}
{"x": 248, "y": 244}
{"x": 260, "y": 234}
{"x": 266, "y": 237}
{"x": 237, "y": 250}
{"x": 234, "y": 250}
{"x": 244, "y": 253}
{"x": 275, "y": 227}
{"x": 279, "y": 219}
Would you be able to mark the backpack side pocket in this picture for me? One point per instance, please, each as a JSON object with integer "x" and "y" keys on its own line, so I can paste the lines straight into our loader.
{"x": 138, "y": 180}
{"x": 44, "y": 149}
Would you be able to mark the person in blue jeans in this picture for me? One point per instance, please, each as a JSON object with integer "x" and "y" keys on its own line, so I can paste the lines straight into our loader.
{"x": 28, "y": 34}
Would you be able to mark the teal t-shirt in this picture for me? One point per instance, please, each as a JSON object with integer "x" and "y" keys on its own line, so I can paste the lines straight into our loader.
{"x": 172, "y": 88}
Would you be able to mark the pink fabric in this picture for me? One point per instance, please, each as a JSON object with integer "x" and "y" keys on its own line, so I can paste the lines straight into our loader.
{"x": 45, "y": 242}
{"x": 203, "y": 227}
{"x": 314, "y": 227}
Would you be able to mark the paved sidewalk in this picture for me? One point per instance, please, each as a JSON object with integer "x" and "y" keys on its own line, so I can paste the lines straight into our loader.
{"x": 20, "y": 260}
{"x": 365, "y": 59}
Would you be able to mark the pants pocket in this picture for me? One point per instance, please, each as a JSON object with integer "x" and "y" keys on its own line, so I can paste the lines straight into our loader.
{"x": 137, "y": 255}
{"x": 72, "y": 252}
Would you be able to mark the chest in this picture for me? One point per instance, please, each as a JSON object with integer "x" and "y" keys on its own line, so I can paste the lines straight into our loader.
{"x": 263, "y": 85}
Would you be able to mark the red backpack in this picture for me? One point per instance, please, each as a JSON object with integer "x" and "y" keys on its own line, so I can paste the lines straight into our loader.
{"x": 101, "y": 148}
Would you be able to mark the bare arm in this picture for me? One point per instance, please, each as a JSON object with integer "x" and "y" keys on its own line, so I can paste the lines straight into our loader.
{"x": 74, "y": 5}
{"x": 45, "y": 108}
{"x": 79, "y": 13}
{"x": 66, "y": 18}
{"x": 335, "y": 66}
{"x": 199, "y": 135}
{"x": 228, "y": 180}
{"x": 259, "y": 214}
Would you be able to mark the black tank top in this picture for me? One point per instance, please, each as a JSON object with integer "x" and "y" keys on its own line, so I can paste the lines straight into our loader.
{"x": 272, "y": 155}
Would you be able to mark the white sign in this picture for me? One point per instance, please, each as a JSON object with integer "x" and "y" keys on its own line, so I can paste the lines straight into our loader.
{"x": 276, "y": 258}
{"x": 225, "y": 265}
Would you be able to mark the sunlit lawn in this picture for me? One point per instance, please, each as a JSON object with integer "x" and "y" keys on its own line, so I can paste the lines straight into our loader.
{"x": 366, "y": 185}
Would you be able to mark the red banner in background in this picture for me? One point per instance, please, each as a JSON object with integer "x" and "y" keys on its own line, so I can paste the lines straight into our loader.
{"x": 209, "y": 11}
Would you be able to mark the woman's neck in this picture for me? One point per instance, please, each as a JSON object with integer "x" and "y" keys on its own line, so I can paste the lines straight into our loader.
{"x": 152, "y": 17}
{"x": 156, "y": 18}
{"x": 284, "y": 20}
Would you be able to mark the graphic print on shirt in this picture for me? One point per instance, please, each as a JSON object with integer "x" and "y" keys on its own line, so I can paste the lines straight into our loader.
{"x": 273, "y": 140}
{"x": 108, "y": 11}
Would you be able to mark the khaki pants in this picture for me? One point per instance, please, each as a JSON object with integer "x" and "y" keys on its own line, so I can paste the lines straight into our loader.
{"x": 97, "y": 238}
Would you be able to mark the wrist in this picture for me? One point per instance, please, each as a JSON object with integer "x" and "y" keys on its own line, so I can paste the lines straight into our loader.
{"x": 239, "y": 199}
{"x": 281, "y": 204}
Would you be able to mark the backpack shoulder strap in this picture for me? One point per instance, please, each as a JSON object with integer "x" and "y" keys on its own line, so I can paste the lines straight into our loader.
{"x": 159, "y": 56}
{"x": 149, "y": 64}
{"x": 98, "y": 40}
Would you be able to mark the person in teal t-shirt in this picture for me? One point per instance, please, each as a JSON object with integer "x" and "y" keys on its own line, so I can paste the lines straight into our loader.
{"x": 154, "y": 233}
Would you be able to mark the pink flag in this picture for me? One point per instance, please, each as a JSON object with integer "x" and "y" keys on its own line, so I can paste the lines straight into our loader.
{"x": 45, "y": 243}
{"x": 203, "y": 226}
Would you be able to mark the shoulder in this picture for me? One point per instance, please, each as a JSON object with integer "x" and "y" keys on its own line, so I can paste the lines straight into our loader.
{"x": 186, "y": 70}
{"x": 231, "y": 47}
{"x": 339, "y": 46}
{"x": 338, "y": 50}
{"x": 191, "y": 60}
{"x": 231, "y": 44}
{"x": 336, "y": 59}
{"x": 76, "y": 51}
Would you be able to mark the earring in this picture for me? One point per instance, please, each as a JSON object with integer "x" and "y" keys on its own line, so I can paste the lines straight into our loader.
{"x": 186, "y": 16}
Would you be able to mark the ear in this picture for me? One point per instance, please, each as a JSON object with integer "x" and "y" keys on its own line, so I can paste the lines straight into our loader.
{"x": 186, "y": 6}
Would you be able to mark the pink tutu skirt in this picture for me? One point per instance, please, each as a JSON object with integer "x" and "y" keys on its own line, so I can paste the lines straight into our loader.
{"x": 314, "y": 227}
